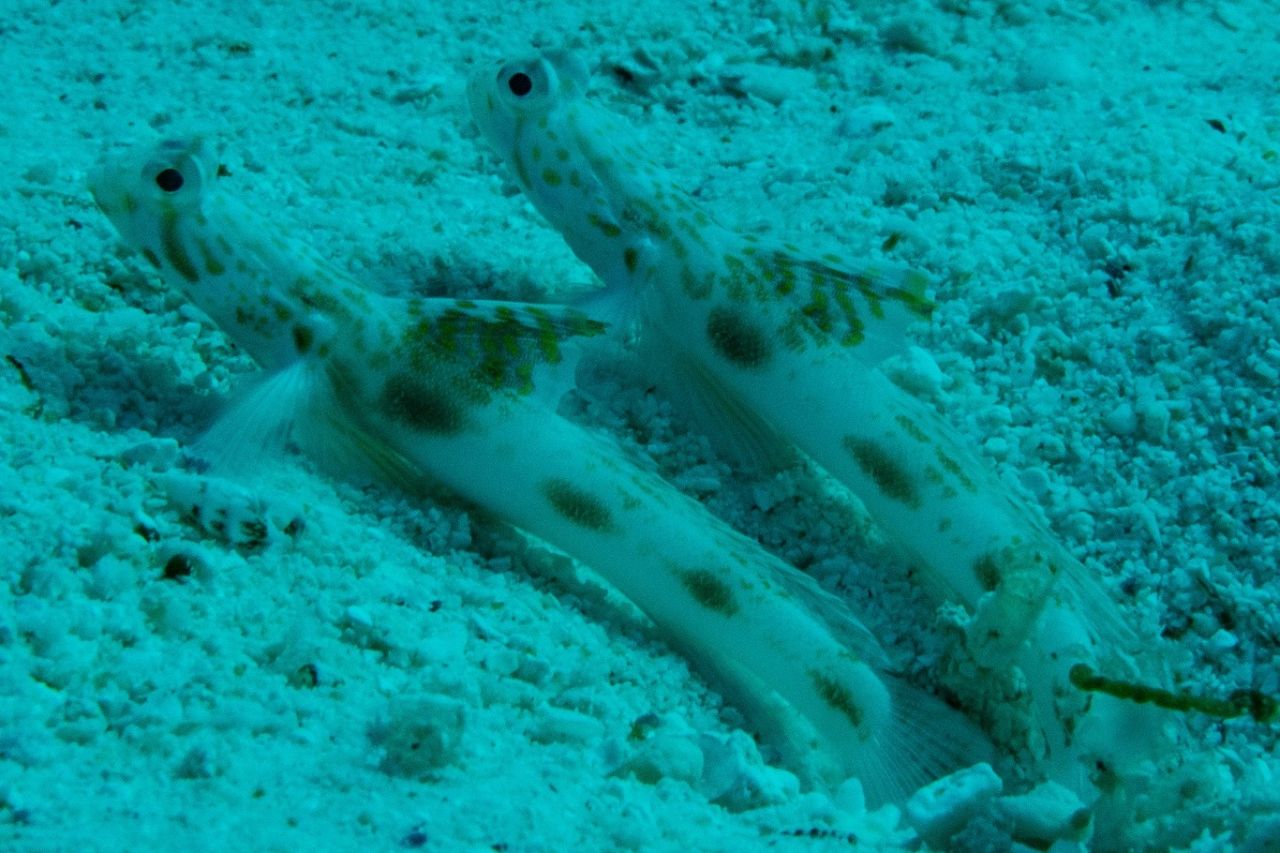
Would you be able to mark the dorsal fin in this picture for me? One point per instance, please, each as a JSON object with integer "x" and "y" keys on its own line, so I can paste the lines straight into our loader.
{"x": 502, "y": 344}
{"x": 865, "y": 306}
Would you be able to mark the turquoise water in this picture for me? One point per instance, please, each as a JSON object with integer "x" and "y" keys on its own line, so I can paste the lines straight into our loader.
{"x": 293, "y": 659}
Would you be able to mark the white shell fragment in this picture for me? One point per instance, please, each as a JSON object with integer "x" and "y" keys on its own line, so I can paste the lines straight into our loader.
{"x": 1047, "y": 814}
{"x": 939, "y": 810}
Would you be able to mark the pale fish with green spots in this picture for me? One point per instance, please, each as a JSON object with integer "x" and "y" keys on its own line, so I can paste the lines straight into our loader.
{"x": 448, "y": 392}
{"x": 768, "y": 347}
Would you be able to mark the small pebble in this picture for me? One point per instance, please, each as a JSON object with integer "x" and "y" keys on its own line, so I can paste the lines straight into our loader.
{"x": 1222, "y": 640}
{"x": 1095, "y": 243}
{"x": 866, "y": 120}
{"x": 560, "y": 725}
{"x": 917, "y": 371}
{"x": 996, "y": 447}
{"x": 159, "y": 453}
{"x": 1041, "y": 69}
{"x": 1143, "y": 208}
{"x": 358, "y": 617}
{"x": 909, "y": 35}
{"x": 1154, "y": 417}
{"x": 664, "y": 756}
{"x": 1121, "y": 420}
{"x": 771, "y": 83}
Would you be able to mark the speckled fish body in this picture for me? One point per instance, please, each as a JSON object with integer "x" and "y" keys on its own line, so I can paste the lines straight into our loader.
{"x": 787, "y": 346}
{"x": 443, "y": 390}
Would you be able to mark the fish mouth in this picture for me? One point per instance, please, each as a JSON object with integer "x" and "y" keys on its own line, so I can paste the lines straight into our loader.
{"x": 103, "y": 184}
{"x": 481, "y": 101}
{"x": 94, "y": 182}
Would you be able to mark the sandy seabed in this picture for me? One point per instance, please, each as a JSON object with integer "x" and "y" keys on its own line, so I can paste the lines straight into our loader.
{"x": 1093, "y": 186}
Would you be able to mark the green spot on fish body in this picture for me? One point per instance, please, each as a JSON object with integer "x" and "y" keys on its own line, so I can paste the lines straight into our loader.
{"x": 786, "y": 283}
{"x": 446, "y": 331}
{"x": 839, "y": 697}
{"x": 631, "y": 258}
{"x": 606, "y": 228}
{"x": 709, "y": 591}
{"x": 551, "y": 177}
{"x": 818, "y": 309}
{"x": 524, "y": 378}
{"x": 844, "y": 301}
{"x": 577, "y": 505}
{"x": 792, "y": 334}
{"x": 212, "y": 263}
{"x": 173, "y": 250}
{"x": 321, "y": 300}
{"x": 548, "y": 342}
{"x": 737, "y": 277}
{"x": 737, "y": 338}
{"x": 884, "y": 470}
{"x": 911, "y": 429}
{"x": 912, "y": 293}
{"x": 696, "y": 287}
{"x": 874, "y": 297}
{"x": 956, "y": 471}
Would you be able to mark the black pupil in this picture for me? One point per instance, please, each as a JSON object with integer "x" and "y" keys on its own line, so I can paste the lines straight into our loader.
{"x": 520, "y": 84}
{"x": 170, "y": 180}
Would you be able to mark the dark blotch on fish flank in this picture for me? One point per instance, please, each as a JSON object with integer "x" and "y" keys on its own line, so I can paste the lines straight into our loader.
{"x": 987, "y": 571}
{"x": 303, "y": 338}
{"x": 736, "y": 338}
{"x": 880, "y": 465}
{"x": 837, "y": 696}
{"x": 174, "y": 252}
{"x": 423, "y": 407}
{"x": 578, "y": 505}
{"x": 710, "y": 591}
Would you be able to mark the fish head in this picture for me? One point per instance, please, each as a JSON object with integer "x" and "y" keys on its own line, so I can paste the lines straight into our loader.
{"x": 149, "y": 191}
{"x": 512, "y": 98}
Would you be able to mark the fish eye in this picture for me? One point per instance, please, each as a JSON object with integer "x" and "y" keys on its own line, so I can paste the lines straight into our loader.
{"x": 520, "y": 84}
{"x": 175, "y": 173}
{"x": 527, "y": 85}
{"x": 170, "y": 180}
